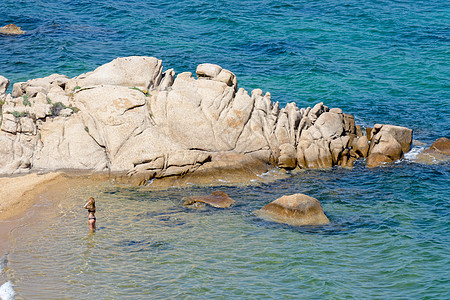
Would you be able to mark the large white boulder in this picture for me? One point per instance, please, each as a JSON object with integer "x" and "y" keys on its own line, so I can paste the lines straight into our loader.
{"x": 129, "y": 117}
{"x": 65, "y": 144}
{"x": 135, "y": 71}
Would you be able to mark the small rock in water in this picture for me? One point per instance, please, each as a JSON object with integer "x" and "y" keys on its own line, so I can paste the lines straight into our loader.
{"x": 11, "y": 29}
{"x": 439, "y": 152}
{"x": 442, "y": 145}
{"x": 217, "y": 199}
{"x": 297, "y": 209}
{"x": 388, "y": 143}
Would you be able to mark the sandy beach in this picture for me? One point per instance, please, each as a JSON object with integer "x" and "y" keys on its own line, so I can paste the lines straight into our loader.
{"x": 17, "y": 195}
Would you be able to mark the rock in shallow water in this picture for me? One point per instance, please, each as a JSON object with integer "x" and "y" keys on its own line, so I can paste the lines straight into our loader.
{"x": 217, "y": 199}
{"x": 442, "y": 145}
{"x": 297, "y": 209}
{"x": 439, "y": 152}
{"x": 388, "y": 143}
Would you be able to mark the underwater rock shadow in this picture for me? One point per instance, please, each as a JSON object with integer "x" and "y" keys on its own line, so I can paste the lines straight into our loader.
{"x": 143, "y": 245}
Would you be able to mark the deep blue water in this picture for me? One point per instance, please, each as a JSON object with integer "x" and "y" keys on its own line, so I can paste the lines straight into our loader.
{"x": 382, "y": 61}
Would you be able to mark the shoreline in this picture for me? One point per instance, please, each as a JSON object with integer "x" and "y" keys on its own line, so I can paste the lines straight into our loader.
{"x": 20, "y": 193}
{"x": 17, "y": 197}
{"x": 55, "y": 190}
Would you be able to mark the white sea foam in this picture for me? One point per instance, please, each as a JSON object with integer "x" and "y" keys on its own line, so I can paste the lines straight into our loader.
{"x": 222, "y": 180}
{"x": 412, "y": 154}
{"x": 7, "y": 291}
{"x": 264, "y": 174}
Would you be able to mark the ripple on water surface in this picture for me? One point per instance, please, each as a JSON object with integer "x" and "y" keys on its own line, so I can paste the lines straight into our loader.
{"x": 388, "y": 238}
{"x": 384, "y": 62}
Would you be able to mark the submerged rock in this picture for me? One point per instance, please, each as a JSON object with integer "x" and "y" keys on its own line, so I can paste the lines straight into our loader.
{"x": 11, "y": 29}
{"x": 439, "y": 152}
{"x": 217, "y": 199}
{"x": 297, "y": 209}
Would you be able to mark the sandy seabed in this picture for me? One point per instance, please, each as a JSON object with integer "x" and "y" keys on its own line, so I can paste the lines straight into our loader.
{"x": 18, "y": 194}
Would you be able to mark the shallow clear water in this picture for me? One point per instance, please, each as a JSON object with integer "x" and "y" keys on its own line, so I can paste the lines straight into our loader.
{"x": 388, "y": 238}
{"x": 382, "y": 61}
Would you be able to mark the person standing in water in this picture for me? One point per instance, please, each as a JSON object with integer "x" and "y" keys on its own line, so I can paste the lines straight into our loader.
{"x": 90, "y": 206}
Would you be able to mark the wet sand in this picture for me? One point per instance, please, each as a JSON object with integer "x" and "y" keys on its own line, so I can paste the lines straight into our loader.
{"x": 17, "y": 196}
{"x": 18, "y": 193}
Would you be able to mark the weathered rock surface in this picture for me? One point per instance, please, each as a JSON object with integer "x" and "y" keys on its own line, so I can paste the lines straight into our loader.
{"x": 65, "y": 144}
{"x": 297, "y": 209}
{"x": 361, "y": 146}
{"x": 130, "y": 118}
{"x": 11, "y": 29}
{"x": 388, "y": 143}
{"x": 439, "y": 152}
{"x": 442, "y": 145}
{"x": 136, "y": 71}
{"x": 217, "y": 199}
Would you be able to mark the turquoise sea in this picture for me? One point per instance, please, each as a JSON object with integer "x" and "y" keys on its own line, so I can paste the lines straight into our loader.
{"x": 382, "y": 61}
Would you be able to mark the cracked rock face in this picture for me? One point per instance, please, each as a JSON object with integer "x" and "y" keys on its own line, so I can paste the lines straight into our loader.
{"x": 131, "y": 117}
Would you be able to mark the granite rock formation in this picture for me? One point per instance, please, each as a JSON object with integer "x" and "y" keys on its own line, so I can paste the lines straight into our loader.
{"x": 388, "y": 143}
{"x": 130, "y": 117}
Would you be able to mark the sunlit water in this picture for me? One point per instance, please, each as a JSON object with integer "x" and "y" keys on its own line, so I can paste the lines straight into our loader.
{"x": 382, "y": 61}
{"x": 388, "y": 237}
